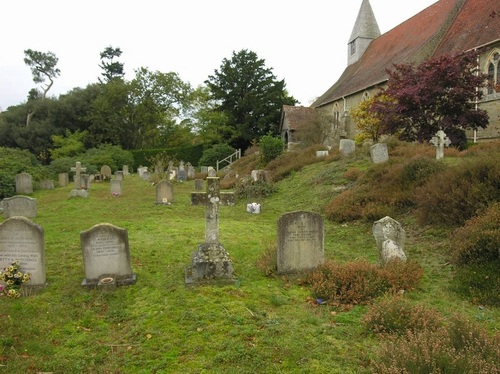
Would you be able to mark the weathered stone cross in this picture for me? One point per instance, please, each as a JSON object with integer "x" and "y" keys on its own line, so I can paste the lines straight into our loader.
{"x": 211, "y": 260}
{"x": 212, "y": 199}
{"x": 78, "y": 179}
{"x": 440, "y": 140}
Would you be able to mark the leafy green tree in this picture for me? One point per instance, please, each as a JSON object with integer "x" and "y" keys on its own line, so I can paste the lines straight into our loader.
{"x": 43, "y": 67}
{"x": 270, "y": 148}
{"x": 211, "y": 155}
{"x": 438, "y": 94}
{"x": 250, "y": 96}
{"x": 70, "y": 145}
{"x": 368, "y": 122}
{"x": 111, "y": 69}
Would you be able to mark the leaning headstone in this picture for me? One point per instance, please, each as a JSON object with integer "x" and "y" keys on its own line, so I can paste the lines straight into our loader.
{"x": 63, "y": 179}
{"x": 379, "y": 153}
{"x": 47, "y": 184}
{"x": 19, "y": 206}
{"x": 211, "y": 260}
{"x": 24, "y": 184}
{"x": 22, "y": 240}
{"x": 78, "y": 190}
{"x": 116, "y": 187}
{"x": 347, "y": 146}
{"x": 440, "y": 140}
{"x": 164, "y": 193}
{"x": 390, "y": 237}
{"x": 300, "y": 241}
{"x": 105, "y": 172}
{"x": 106, "y": 255}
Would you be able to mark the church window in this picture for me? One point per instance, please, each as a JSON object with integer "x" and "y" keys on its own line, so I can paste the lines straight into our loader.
{"x": 353, "y": 47}
{"x": 493, "y": 72}
{"x": 336, "y": 116}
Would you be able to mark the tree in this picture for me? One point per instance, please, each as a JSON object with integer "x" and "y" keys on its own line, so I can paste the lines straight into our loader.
{"x": 250, "y": 95}
{"x": 438, "y": 94}
{"x": 368, "y": 122}
{"x": 43, "y": 66}
{"x": 111, "y": 69}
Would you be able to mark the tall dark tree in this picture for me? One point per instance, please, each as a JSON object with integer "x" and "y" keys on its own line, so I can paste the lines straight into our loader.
{"x": 250, "y": 96}
{"x": 43, "y": 67}
{"x": 111, "y": 69}
{"x": 439, "y": 94}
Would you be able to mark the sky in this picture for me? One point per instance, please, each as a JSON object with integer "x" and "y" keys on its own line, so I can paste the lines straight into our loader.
{"x": 304, "y": 42}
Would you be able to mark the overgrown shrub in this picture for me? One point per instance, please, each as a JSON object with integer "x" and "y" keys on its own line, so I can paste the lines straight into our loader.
{"x": 478, "y": 241}
{"x": 288, "y": 162}
{"x": 247, "y": 188}
{"x": 270, "y": 148}
{"x": 479, "y": 282}
{"x": 112, "y": 155}
{"x": 396, "y": 315}
{"x": 459, "y": 347}
{"x": 267, "y": 262}
{"x": 359, "y": 282}
{"x": 459, "y": 192}
{"x": 216, "y": 153}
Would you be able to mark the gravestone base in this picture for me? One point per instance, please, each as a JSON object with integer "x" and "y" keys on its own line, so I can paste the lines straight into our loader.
{"x": 78, "y": 193}
{"x": 210, "y": 262}
{"x": 124, "y": 280}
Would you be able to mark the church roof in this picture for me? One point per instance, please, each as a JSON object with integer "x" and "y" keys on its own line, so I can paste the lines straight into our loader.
{"x": 366, "y": 25}
{"x": 297, "y": 115}
{"x": 444, "y": 27}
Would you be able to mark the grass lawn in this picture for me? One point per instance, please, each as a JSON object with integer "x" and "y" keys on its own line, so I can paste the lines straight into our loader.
{"x": 259, "y": 324}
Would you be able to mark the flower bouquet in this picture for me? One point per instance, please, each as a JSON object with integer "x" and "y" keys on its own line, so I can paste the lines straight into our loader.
{"x": 13, "y": 278}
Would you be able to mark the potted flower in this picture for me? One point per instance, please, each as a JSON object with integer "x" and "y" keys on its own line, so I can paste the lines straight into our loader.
{"x": 13, "y": 278}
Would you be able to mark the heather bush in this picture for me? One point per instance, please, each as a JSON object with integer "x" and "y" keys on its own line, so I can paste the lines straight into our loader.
{"x": 247, "y": 188}
{"x": 460, "y": 347}
{"x": 479, "y": 239}
{"x": 288, "y": 162}
{"x": 479, "y": 282}
{"x": 267, "y": 262}
{"x": 458, "y": 193}
{"x": 396, "y": 315}
{"x": 359, "y": 282}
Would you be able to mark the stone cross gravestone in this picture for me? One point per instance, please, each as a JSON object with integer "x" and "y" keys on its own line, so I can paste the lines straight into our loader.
{"x": 24, "y": 184}
{"x": 18, "y": 205}
{"x": 390, "y": 237}
{"x": 300, "y": 241}
{"x": 106, "y": 254}
{"x": 164, "y": 193}
{"x": 379, "y": 153}
{"x": 211, "y": 260}
{"x": 440, "y": 140}
{"x": 347, "y": 146}
{"x": 78, "y": 191}
{"x": 22, "y": 240}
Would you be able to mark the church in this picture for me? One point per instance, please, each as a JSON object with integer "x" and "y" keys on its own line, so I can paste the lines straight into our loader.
{"x": 445, "y": 27}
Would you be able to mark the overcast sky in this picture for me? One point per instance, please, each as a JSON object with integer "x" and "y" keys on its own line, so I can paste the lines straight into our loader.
{"x": 304, "y": 42}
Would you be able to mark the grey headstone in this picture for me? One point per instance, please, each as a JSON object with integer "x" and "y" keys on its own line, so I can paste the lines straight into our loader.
{"x": 119, "y": 175}
{"x": 390, "y": 237}
{"x": 347, "y": 146}
{"x": 379, "y": 153}
{"x": 22, "y": 240}
{"x": 204, "y": 169}
{"x": 182, "y": 175}
{"x": 321, "y": 153}
{"x": 164, "y": 193}
{"x": 24, "y": 184}
{"x": 198, "y": 184}
{"x": 63, "y": 179}
{"x": 105, "y": 172}
{"x": 47, "y": 184}
{"x": 85, "y": 181}
{"x": 125, "y": 170}
{"x": 300, "y": 241}
{"x": 106, "y": 253}
{"x": 212, "y": 172}
{"x": 19, "y": 206}
{"x": 116, "y": 187}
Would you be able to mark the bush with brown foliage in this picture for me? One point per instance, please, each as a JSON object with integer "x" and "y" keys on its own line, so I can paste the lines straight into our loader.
{"x": 396, "y": 315}
{"x": 458, "y": 347}
{"x": 359, "y": 282}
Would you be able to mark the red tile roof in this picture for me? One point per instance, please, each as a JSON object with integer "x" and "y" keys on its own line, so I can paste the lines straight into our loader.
{"x": 436, "y": 29}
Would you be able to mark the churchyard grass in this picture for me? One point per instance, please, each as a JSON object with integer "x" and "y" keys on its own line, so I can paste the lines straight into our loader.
{"x": 258, "y": 324}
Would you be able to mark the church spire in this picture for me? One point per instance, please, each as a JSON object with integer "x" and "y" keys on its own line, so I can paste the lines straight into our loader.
{"x": 364, "y": 32}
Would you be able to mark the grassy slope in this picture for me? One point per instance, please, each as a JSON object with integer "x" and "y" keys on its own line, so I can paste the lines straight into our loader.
{"x": 258, "y": 324}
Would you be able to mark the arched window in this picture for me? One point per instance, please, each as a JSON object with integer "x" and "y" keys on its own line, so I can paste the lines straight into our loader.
{"x": 336, "y": 116}
{"x": 493, "y": 71}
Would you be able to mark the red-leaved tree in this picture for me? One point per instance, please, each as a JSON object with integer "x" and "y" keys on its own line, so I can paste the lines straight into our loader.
{"x": 439, "y": 94}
